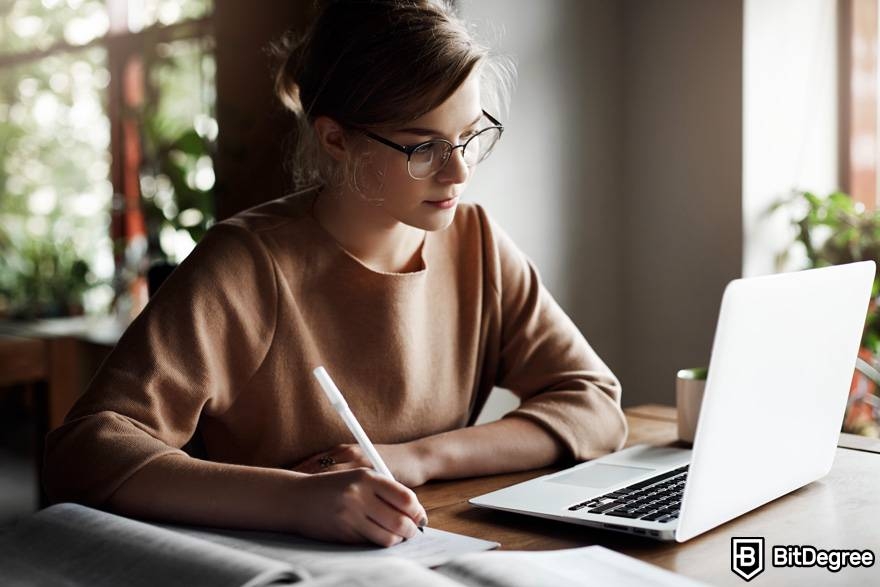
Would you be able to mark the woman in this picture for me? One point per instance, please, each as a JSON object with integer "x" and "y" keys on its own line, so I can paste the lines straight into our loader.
{"x": 416, "y": 303}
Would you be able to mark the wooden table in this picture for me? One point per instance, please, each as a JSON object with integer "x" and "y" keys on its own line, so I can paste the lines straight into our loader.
{"x": 24, "y": 362}
{"x": 53, "y": 360}
{"x": 841, "y": 510}
{"x": 61, "y": 354}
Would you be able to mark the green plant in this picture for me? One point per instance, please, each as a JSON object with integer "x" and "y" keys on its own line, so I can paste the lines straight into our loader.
{"x": 178, "y": 140}
{"x": 833, "y": 230}
{"x": 175, "y": 159}
{"x": 41, "y": 278}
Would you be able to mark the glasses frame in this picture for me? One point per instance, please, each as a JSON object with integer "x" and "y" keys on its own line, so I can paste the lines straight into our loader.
{"x": 409, "y": 150}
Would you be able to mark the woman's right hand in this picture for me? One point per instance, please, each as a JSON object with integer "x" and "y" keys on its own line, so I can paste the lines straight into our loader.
{"x": 356, "y": 505}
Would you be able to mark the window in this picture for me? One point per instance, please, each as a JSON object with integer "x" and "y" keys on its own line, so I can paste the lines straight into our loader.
{"x": 860, "y": 156}
{"x": 859, "y": 147}
{"x": 107, "y": 135}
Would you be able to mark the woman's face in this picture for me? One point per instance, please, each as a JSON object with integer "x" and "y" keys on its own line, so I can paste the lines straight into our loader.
{"x": 428, "y": 204}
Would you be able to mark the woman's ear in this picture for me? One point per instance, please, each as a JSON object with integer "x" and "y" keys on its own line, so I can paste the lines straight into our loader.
{"x": 331, "y": 136}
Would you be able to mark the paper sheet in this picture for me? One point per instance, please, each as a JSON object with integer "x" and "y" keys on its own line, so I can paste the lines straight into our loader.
{"x": 382, "y": 572}
{"x": 433, "y": 548}
{"x": 593, "y": 565}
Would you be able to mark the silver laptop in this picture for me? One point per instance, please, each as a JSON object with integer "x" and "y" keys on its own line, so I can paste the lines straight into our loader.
{"x": 782, "y": 362}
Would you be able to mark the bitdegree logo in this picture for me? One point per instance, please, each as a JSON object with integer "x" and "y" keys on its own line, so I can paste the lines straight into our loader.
{"x": 804, "y": 555}
{"x": 747, "y": 557}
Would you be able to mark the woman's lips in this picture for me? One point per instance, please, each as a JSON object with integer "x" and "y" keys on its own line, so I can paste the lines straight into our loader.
{"x": 443, "y": 204}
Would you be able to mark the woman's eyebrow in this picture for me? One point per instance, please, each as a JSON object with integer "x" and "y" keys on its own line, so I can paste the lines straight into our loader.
{"x": 417, "y": 130}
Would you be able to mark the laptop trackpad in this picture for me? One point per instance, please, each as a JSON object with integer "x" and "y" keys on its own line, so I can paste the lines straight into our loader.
{"x": 600, "y": 476}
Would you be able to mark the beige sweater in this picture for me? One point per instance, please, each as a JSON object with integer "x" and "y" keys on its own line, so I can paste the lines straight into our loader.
{"x": 229, "y": 343}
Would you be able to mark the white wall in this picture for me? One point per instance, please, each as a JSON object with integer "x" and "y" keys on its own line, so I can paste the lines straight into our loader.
{"x": 621, "y": 173}
{"x": 553, "y": 181}
{"x": 681, "y": 184}
{"x": 790, "y": 123}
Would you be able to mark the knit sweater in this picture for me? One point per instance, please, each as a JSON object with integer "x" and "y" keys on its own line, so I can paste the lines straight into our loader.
{"x": 228, "y": 344}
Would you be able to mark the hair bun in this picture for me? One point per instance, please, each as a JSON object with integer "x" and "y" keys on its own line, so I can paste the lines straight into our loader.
{"x": 288, "y": 53}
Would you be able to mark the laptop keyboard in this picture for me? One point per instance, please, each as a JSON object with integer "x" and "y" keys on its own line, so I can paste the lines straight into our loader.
{"x": 655, "y": 499}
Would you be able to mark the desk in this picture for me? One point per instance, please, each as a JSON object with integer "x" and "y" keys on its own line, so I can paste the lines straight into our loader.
{"x": 53, "y": 360}
{"x": 841, "y": 510}
{"x": 24, "y": 362}
{"x": 61, "y": 354}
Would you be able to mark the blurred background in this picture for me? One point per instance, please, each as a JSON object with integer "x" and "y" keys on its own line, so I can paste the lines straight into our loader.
{"x": 654, "y": 150}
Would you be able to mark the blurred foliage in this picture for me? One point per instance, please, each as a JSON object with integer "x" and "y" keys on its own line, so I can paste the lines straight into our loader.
{"x": 56, "y": 253}
{"x": 179, "y": 134}
{"x": 55, "y": 191}
{"x": 28, "y": 25}
{"x": 833, "y": 230}
{"x": 44, "y": 279}
{"x": 169, "y": 163}
{"x": 145, "y": 13}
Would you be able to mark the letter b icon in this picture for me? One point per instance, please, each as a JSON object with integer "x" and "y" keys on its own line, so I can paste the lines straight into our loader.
{"x": 747, "y": 557}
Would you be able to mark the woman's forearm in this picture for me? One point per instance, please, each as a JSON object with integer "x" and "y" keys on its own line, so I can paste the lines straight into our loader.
{"x": 177, "y": 488}
{"x": 504, "y": 446}
{"x": 357, "y": 505}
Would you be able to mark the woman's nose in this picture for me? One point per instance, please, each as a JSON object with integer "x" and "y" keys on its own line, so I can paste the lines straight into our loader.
{"x": 455, "y": 170}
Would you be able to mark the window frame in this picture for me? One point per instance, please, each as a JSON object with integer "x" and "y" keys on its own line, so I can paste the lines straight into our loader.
{"x": 858, "y": 95}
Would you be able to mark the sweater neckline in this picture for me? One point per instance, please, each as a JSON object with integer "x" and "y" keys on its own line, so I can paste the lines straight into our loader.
{"x": 310, "y": 206}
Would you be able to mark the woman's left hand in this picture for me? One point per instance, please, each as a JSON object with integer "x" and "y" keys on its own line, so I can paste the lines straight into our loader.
{"x": 404, "y": 461}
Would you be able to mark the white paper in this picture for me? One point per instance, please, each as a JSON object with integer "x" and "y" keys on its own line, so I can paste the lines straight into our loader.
{"x": 433, "y": 548}
{"x": 593, "y": 565}
{"x": 386, "y": 572}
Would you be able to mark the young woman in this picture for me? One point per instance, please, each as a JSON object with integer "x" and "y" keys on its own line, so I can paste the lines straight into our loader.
{"x": 416, "y": 303}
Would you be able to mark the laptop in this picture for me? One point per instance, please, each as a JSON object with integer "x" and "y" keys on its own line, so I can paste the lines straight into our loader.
{"x": 782, "y": 361}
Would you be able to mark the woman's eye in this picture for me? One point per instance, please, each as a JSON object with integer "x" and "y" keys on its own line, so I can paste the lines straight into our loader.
{"x": 422, "y": 149}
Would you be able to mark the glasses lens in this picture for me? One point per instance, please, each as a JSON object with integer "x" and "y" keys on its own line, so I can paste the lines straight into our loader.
{"x": 428, "y": 158}
{"x": 480, "y": 145}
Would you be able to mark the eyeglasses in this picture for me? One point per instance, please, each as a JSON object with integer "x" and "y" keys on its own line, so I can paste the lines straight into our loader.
{"x": 426, "y": 159}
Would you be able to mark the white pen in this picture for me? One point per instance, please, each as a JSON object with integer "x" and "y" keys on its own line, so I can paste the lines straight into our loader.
{"x": 341, "y": 406}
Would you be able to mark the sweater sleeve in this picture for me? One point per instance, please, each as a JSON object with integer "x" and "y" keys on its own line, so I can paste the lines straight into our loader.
{"x": 196, "y": 344}
{"x": 545, "y": 360}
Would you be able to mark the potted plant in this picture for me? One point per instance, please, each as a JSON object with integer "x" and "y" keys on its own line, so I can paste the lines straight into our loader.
{"x": 41, "y": 278}
{"x": 834, "y": 230}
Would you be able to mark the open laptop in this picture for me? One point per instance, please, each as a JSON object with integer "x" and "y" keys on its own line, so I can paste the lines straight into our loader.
{"x": 782, "y": 362}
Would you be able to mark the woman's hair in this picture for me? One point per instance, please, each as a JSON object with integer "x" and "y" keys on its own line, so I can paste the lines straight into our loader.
{"x": 377, "y": 63}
